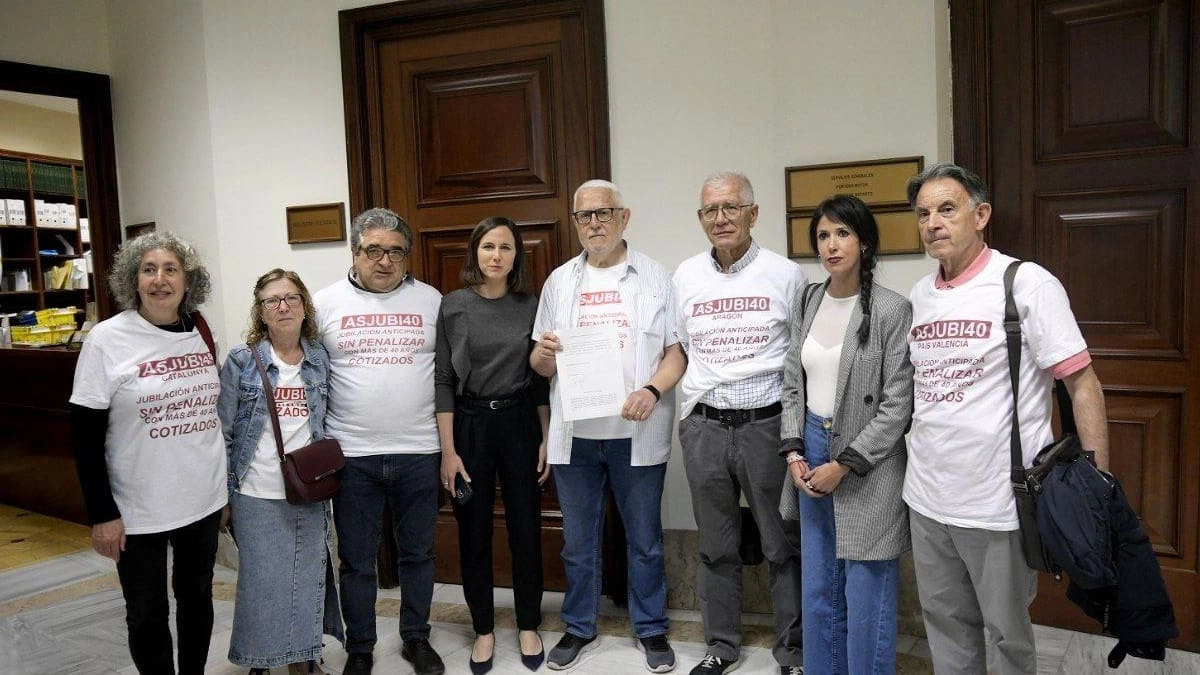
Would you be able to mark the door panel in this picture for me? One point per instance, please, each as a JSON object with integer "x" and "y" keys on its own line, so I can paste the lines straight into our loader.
{"x": 1084, "y": 118}
{"x": 458, "y": 110}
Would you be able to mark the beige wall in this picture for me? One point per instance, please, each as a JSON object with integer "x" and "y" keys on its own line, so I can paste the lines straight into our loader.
{"x": 27, "y": 128}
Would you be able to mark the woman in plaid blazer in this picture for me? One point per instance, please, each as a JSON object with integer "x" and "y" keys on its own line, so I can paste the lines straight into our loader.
{"x": 847, "y": 402}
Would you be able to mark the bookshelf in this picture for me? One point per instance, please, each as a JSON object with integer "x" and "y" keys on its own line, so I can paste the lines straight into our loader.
{"x": 42, "y": 202}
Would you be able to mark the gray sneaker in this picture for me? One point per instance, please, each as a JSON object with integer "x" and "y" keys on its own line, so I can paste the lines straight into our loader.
{"x": 660, "y": 658}
{"x": 567, "y": 652}
{"x": 714, "y": 665}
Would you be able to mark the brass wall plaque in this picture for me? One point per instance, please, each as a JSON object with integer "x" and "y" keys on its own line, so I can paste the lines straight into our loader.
{"x": 879, "y": 183}
{"x": 316, "y": 222}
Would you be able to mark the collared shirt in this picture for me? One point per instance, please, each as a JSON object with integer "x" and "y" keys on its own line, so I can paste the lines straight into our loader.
{"x": 647, "y": 285}
{"x": 739, "y": 264}
{"x": 755, "y": 391}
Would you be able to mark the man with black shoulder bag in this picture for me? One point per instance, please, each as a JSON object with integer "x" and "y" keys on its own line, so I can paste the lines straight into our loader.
{"x": 971, "y": 567}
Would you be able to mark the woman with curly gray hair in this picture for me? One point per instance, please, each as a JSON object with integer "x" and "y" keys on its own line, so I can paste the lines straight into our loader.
{"x": 149, "y": 449}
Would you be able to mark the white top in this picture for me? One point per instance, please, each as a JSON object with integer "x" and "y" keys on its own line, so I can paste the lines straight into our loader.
{"x": 959, "y": 457}
{"x": 601, "y": 304}
{"x": 821, "y": 353}
{"x": 381, "y": 351}
{"x": 164, "y": 447}
{"x": 646, "y": 287}
{"x": 263, "y": 478}
{"x": 733, "y": 326}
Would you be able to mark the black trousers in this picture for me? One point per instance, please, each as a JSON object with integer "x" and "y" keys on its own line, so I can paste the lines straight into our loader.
{"x": 500, "y": 444}
{"x": 142, "y": 570}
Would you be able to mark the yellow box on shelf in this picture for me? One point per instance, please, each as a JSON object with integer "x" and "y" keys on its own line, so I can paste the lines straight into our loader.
{"x": 57, "y": 316}
{"x": 39, "y": 336}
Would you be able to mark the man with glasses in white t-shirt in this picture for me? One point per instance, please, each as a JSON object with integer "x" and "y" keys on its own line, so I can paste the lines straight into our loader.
{"x": 379, "y": 326}
{"x": 610, "y": 284}
{"x": 734, "y": 302}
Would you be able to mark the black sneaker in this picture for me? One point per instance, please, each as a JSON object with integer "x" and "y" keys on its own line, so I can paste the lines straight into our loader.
{"x": 422, "y": 657}
{"x": 359, "y": 664}
{"x": 714, "y": 665}
{"x": 567, "y": 652}
{"x": 791, "y": 670}
{"x": 660, "y": 658}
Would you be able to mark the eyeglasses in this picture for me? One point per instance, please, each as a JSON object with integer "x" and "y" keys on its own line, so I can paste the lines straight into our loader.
{"x": 394, "y": 254}
{"x": 602, "y": 215}
{"x": 292, "y": 300}
{"x": 709, "y": 213}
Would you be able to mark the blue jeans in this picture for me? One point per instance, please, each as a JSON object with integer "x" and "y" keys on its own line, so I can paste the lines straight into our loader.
{"x": 581, "y": 495}
{"x": 849, "y": 605}
{"x": 409, "y": 484}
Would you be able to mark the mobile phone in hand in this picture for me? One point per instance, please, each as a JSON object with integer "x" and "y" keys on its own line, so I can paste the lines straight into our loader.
{"x": 462, "y": 490}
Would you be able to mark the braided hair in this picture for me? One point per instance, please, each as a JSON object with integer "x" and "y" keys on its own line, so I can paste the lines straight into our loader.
{"x": 850, "y": 211}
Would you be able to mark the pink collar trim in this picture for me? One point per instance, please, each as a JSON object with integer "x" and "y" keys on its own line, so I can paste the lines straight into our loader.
{"x": 968, "y": 274}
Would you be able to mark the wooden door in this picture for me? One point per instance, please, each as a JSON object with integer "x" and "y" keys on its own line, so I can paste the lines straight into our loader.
{"x": 460, "y": 110}
{"x": 1084, "y": 118}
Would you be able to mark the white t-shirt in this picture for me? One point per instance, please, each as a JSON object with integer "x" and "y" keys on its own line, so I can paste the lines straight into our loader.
{"x": 959, "y": 459}
{"x": 733, "y": 326}
{"x": 164, "y": 447}
{"x": 381, "y": 351}
{"x": 601, "y": 304}
{"x": 821, "y": 353}
{"x": 263, "y": 478}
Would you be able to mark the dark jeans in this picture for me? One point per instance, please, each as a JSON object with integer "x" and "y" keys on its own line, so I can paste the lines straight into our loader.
{"x": 409, "y": 484}
{"x": 500, "y": 443}
{"x": 142, "y": 570}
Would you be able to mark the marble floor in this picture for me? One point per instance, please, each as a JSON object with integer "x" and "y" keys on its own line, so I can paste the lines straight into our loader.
{"x": 64, "y": 614}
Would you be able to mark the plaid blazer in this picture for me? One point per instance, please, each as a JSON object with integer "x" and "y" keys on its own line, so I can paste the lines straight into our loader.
{"x": 873, "y": 411}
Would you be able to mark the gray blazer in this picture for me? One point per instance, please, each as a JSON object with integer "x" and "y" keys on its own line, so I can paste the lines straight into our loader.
{"x": 873, "y": 411}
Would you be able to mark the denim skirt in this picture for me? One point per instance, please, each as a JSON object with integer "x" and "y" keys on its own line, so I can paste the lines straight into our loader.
{"x": 285, "y": 586}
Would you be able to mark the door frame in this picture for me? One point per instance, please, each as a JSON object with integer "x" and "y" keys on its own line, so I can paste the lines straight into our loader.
{"x": 361, "y": 28}
{"x": 363, "y": 33}
{"x": 975, "y": 60}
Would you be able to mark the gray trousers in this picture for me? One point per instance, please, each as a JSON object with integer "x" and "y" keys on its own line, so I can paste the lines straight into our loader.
{"x": 969, "y": 579}
{"x": 722, "y": 462}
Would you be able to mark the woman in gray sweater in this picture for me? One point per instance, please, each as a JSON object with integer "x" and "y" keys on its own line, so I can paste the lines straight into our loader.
{"x": 847, "y": 401}
{"x": 492, "y": 415}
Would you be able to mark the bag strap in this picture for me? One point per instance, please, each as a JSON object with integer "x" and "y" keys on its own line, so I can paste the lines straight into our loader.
{"x": 206, "y": 333}
{"x": 269, "y": 393}
{"x": 806, "y": 296}
{"x": 1012, "y": 335}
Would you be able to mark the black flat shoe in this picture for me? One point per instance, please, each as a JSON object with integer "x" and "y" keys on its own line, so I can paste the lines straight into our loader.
{"x": 532, "y": 661}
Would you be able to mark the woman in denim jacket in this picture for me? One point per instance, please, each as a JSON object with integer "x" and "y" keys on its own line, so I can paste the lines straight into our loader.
{"x": 286, "y": 597}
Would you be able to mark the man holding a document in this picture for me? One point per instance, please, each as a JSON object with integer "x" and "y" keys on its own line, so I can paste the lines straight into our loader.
{"x": 606, "y": 327}
{"x": 734, "y": 302}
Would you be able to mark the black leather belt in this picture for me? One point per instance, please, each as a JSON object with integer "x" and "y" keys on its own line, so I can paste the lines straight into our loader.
{"x": 736, "y": 418}
{"x": 490, "y": 403}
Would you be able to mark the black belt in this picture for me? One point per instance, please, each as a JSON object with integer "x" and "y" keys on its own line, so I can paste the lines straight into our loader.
{"x": 736, "y": 418}
{"x": 490, "y": 403}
